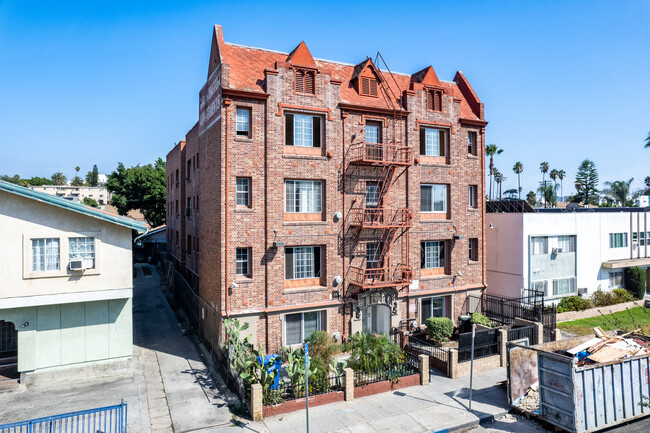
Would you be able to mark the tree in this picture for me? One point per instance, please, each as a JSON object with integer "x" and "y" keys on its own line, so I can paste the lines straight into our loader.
{"x": 38, "y": 181}
{"x": 554, "y": 175}
{"x": 499, "y": 178}
{"x": 543, "y": 167}
{"x": 511, "y": 193}
{"x": 531, "y": 198}
{"x": 518, "y": 168}
{"x": 76, "y": 169}
{"x": 587, "y": 182}
{"x": 92, "y": 178}
{"x": 89, "y": 201}
{"x": 58, "y": 178}
{"x": 491, "y": 150}
{"x": 560, "y": 175}
{"x": 647, "y": 141}
{"x": 11, "y": 179}
{"x": 548, "y": 192}
{"x": 140, "y": 187}
{"x": 77, "y": 181}
{"x": 619, "y": 191}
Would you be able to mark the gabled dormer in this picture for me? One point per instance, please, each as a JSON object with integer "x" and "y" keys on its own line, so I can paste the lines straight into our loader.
{"x": 366, "y": 78}
{"x": 304, "y": 69}
{"x": 427, "y": 81}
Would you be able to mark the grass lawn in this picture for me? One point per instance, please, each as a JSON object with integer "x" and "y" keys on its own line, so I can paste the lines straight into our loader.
{"x": 627, "y": 320}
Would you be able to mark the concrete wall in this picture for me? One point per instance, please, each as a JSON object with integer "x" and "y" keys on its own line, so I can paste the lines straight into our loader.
{"x": 64, "y": 334}
{"x": 22, "y": 219}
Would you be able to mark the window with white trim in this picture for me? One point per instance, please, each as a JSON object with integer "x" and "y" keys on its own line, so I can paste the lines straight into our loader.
{"x": 373, "y": 132}
{"x": 243, "y": 122}
{"x": 46, "y": 254}
{"x": 433, "y": 307}
{"x": 433, "y": 141}
{"x": 616, "y": 280}
{"x": 539, "y": 245}
{"x": 433, "y": 198}
{"x": 243, "y": 191}
{"x": 566, "y": 243}
{"x": 302, "y": 130}
{"x": 299, "y": 326}
{"x": 432, "y": 254}
{"x": 302, "y": 262}
{"x": 564, "y": 286}
{"x": 541, "y": 286}
{"x": 303, "y": 196}
{"x": 618, "y": 240}
{"x": 243, "y": 262}
{"x": 471, "y": 196}
{"x": 84, "y": 249}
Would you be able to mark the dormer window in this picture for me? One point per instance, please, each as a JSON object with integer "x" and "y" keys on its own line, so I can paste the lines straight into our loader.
{"x": 368, "y": 86}
{"x": 305, "y": 81}
{"x": 434, "y": 100}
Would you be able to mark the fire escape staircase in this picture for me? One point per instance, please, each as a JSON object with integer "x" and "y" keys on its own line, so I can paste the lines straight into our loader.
{"x": 392, "y": 160}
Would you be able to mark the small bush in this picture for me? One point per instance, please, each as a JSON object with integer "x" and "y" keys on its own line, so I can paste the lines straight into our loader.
{"x": 573, "y": 303}
{"x": 480, "y": 319}
{"x": 635, "y": 281}
{"x": 370, "y": 352}
{"x": 439, "y": 328}
{"x": 616, "y": 296}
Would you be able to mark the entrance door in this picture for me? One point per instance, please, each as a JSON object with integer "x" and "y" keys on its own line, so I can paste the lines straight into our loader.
{"x": 8, "y": 351}
{"x": 376, "y": 319}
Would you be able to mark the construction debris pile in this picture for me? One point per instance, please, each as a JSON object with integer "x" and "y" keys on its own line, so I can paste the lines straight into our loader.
{"x": 605, "y": 348}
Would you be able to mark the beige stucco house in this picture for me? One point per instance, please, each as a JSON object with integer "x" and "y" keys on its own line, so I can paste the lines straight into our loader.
{"x": 66, "y": 282}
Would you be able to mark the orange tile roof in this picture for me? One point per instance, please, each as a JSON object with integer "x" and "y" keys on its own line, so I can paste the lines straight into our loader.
{"x": 247, "y": 67}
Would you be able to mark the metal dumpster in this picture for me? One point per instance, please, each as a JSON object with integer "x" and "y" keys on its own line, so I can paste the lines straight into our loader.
{"x": 590, "y": 398}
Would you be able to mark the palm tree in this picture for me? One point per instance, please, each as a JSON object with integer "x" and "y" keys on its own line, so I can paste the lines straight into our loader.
{"x": 58, "y": 178}
{"x": 531, "y": 198}
{"x": 560, "y": 175}
{"x": 77, "y": 168}
{"x": 554, "y": 175}
{"x": 491, "y": 150}
{"x": 647, "y": 141}
{"x": 518, "y": 168}
{"x": 543, "y": 167}
{"x": 499, "y": 178}
{"x": 548, "y": 192}
{"x": 618, "y": 190}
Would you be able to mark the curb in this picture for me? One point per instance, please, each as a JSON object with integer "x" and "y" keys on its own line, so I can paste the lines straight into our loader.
{"x": 483, "y": 419}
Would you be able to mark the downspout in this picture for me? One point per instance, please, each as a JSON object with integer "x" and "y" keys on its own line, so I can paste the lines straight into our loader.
{"x": 345, "y": 305}
{"x": 226, "y": 102}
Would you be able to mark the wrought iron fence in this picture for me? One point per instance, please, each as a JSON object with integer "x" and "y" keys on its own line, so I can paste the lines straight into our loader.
{"x": 480, "y": 351}
{"x": 486, "y": 343}
{"x": 287, "y": 391}
{"x": 109, "y": 419}
{"x": 523, "y": 332}
{"x": 392, "y": 373}
{"x": 425, "y": 346}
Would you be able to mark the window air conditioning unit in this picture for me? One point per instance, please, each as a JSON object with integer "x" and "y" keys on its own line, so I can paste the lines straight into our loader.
{"x": 80, "y": 264}
{"x": 582, "y": 291}
{"x": 556, "y": 251}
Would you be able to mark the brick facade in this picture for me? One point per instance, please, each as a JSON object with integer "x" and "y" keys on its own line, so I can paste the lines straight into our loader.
{"x": 262, "y": 82}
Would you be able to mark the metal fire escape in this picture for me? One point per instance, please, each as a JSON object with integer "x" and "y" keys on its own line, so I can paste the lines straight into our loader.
{"x": 389, "y": 160}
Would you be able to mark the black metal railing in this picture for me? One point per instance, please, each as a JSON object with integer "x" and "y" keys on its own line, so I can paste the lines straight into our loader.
{"x": 287, "y": 391}
{"x": 523, "y": 332}
{"x": 480, "y": 351}
{"x": 392, "y": 373}
{"x": 428, "y": 347}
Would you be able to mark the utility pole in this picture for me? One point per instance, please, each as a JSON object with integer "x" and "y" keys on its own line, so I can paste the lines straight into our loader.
{"x": 307, "y": 383}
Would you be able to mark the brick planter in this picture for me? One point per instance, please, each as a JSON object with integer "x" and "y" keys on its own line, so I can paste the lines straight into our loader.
{"x": 386, "y": 385}
{"x": 298, "y": 404}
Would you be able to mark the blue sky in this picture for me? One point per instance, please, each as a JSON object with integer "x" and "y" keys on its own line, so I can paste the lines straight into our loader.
{"x": 85, "y": 83}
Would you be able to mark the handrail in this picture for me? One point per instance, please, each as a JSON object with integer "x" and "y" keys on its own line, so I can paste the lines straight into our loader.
{"x": 379, "y": 153}
{"x": 368, "y": 278}
{"x": 381, "y": 217}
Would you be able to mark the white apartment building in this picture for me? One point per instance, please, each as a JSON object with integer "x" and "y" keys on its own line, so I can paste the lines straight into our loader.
{"x": 563, "y": 251}
{"x": 76, "y": 194}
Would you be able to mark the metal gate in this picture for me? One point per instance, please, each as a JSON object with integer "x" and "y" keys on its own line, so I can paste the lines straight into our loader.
{"x": 8, "y": 339}
{"x": 109, "y": 419}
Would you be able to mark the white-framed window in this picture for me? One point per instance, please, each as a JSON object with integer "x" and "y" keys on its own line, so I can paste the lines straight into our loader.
{"x": 373, "y": 251}
{"x": 243, "y": 191}
{"x": 471, "y": 196}
{"x": 299, "y": 326}
{"x": 243, "y": 261}
{"x": 616, "y": 280}
{"x": 639, "y": 237}
{"x": 302, "y": 262}
{"x": 564, "y": 286}
{"x": 433, "y": 307}
{"x": 618, "y": 240}
{"x": 433, "y": 198}
{"x": 243, "y": 121}
{"x": 373, "y": 132}
{"x": 372, "y": 194}
{"x": 540, "y": 286}
{"x": 46, "y": 254}
{"x": 433, "y": 141}
{"x": 302, "y": 130}
{"x": 566, "y": 243}
{"x": 539, "y": 245}
{"x": 84, "y": 249}
{"x": 433, "y": 254}
{"x": 303, "y": 196}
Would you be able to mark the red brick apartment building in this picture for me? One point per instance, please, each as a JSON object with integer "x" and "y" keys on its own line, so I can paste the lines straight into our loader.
{"x": 314, "y": 194}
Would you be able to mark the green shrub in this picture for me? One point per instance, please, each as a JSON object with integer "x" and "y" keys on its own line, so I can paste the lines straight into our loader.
{"x": 573, "y": 303}
{"x": 635, "y": 281}
{"x": 439, "y": 328}
{"x": 622, "y": 295}
{"x": 602, "y": 299}
{"x": 322, "y": 349}
{"x": 480, "y": 319}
